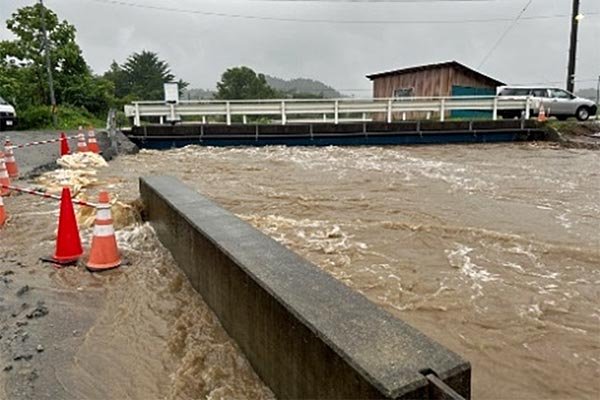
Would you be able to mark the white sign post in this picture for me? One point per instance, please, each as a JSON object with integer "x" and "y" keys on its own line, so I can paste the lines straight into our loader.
{"x": 172, "y": 98}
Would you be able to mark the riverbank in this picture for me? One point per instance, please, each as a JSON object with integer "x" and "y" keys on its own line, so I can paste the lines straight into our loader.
{"x": 575, "y": 135}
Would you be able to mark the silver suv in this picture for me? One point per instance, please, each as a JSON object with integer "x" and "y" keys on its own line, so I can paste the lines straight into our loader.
{"x": 557, "y": 102}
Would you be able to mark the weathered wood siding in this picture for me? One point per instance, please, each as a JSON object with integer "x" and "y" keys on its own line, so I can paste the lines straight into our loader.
{"x": 434, "y": 82}
{"x": 428, "y": 83}
{"x": 424, "y": 83}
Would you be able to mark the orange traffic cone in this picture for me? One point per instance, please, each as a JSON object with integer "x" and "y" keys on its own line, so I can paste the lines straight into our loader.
{"x": 4, "y": 179}
{"x": 64, "y": 145}
{"x": 104, "y": 253}
{"x": 3, "y": 216}
{"x": 92, "y": 143}
{"x": 68, "y": 243}
{"x": 81, "y": 145}
{"x": 11, "y": 163}
{"x": 542, "y": 114}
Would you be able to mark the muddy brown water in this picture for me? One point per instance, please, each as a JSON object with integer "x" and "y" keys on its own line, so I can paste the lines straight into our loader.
{"x": 492, "y": 250}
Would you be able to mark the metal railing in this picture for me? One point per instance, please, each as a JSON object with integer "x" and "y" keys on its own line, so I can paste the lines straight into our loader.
{"x": 332, "y": 110}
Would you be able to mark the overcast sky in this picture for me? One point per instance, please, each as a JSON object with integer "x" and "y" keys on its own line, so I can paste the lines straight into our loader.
{"x": 199, "y": 45}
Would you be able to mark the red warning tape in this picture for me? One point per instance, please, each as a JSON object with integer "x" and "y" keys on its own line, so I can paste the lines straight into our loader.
{"x": 20, "y": 146}
{"x": 51, "y": 196}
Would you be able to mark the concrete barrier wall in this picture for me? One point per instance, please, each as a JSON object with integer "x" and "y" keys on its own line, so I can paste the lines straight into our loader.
{"x": 306, "y": 334}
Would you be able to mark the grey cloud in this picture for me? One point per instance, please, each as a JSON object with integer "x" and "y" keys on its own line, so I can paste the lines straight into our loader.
{"x": 199, "y": 48}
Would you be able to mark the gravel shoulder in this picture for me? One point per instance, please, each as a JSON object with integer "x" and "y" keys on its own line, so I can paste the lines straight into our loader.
{"x": 42, "y": 325}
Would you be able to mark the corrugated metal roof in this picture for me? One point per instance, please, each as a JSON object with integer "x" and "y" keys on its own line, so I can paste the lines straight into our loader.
{"x": 425, "y": 67}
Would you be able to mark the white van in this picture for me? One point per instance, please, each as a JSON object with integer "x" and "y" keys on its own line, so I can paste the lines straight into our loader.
{"x": 557, "y": 102}
{"x": 8, "y": 116}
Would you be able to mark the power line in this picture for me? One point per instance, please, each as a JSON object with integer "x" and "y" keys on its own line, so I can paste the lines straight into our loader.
{"x": 501, "y": 38}
{"x": 553, "y": 82}
{"x": 590, "y": 79}
{"x": 376, "y": 1}
{"x": 328, "y": 21}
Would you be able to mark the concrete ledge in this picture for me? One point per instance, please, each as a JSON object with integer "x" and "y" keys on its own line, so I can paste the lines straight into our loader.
{"x": 306, "y": 334}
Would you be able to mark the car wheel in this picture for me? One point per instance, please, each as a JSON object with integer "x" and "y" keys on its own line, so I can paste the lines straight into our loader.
{"x": 582, "y": 113}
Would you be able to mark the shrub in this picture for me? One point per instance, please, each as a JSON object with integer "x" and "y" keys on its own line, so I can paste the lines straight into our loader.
{"x": 40, "y": 117}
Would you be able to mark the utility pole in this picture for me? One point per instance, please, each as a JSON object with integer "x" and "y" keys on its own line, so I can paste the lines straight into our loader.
{"x": 48, "y": 64}
{"x": 598, "y": 91}
{"x": 573, "y": 47}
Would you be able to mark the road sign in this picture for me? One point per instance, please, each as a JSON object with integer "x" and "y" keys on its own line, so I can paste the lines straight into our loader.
{"x": 171, "y": 92}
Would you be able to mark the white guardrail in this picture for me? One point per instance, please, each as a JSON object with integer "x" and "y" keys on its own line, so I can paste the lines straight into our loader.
{"x": 338, "y": 110}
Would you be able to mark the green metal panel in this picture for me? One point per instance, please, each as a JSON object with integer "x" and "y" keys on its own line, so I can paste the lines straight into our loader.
{"x": 472, "y": 91}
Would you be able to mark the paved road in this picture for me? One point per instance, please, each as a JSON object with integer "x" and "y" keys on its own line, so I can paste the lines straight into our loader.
{"x": 34, "y": 157}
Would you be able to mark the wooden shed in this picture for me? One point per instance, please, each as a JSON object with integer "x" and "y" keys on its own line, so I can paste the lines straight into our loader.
{"x": 434, "y": 80}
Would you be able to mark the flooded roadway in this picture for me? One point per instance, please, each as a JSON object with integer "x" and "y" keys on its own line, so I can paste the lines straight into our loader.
{"x": 137, "y": 332}
{"x": 492, "y": 250}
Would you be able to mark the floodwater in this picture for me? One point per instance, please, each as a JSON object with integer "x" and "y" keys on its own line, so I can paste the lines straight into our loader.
{"x": 492, "y": 250}
{"x": 137, "y": 332}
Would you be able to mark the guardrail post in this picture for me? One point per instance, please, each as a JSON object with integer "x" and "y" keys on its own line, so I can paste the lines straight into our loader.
{"x": 404, "y": 116}
{"x": 364, "y": 116}
{"x": 528, "y": 108}
{"x": 204, "y": 119}
{"x": 283, "y": 116}
{"x": 172, "y": 112}
{"x": 336, "y": 108}
{"x": 495, "y": 110}
{"x": 324, "y": 117}
{"x": 389, "y": 111}
{"x": 228, "y": 111}
{"x": 244, "y": 119}
{"x": 136, "y": 118}
{"x": 442, "y": 109}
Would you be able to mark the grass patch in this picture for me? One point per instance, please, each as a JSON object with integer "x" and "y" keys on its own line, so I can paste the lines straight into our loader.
{"x": 40, "y": 117}
{"x": 574, "y": 127}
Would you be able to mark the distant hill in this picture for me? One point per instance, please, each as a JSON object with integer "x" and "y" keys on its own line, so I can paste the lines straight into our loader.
{"x": 299, "y": 86}
{"x": 587, "y": 93}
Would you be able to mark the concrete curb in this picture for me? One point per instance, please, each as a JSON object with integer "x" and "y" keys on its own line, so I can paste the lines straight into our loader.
{"x": 306, "y": 334}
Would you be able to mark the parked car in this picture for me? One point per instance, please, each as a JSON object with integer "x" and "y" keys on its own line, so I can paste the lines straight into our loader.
{"x": 557, "y": 102}
{"x": 8, "y": 116}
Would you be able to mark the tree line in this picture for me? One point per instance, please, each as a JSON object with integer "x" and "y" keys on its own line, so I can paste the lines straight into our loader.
{"x": 81, "y": 95}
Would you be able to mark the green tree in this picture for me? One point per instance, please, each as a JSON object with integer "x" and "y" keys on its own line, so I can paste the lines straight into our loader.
{"x": 90, "y": 92}
{"x": 141, "y": 77}
{"x": 244, "y": 83}
{"x": 16, "y": 85}
{"x": 23, "y": 73}
{"x": 26, "y": 51}
{"x": 119, "y": 78}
